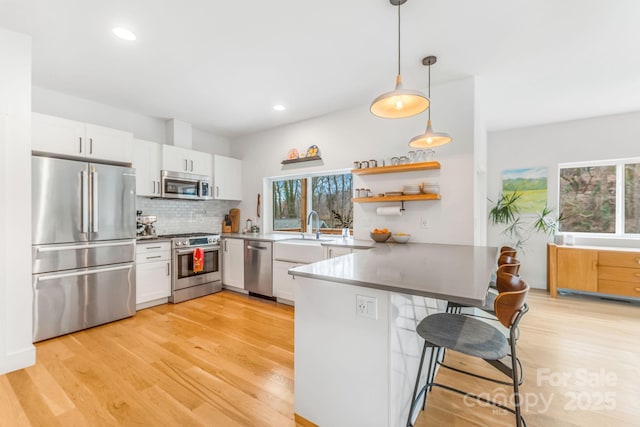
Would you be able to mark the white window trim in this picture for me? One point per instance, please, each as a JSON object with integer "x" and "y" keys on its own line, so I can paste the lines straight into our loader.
{"x": 620, "y": 200}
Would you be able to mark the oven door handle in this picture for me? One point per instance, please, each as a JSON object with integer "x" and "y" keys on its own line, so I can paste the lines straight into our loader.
{"x": 190, "y": 251}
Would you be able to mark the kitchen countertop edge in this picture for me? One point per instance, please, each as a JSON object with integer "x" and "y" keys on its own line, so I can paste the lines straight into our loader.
{"x": 404, "y": 271}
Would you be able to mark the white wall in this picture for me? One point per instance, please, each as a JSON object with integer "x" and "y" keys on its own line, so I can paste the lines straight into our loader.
{"x": 356, "y": 134}
{"x": 59, "y": 104}
{"x": 16, "y": 349}
{"x": 598, "y": 138}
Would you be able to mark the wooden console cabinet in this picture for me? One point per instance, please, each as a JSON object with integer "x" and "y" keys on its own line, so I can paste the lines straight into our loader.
{"x": 600, "y": 270}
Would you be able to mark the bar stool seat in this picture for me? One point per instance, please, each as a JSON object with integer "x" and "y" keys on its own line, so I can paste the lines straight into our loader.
{"x": 480, "y": 339}
{"x": 476, "y": 338}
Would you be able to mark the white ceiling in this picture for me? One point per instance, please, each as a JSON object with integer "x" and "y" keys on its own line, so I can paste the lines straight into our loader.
{"x": 223, "y": 65}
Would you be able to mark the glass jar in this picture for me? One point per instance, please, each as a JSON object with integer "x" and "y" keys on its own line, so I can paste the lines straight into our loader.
{"x": 413, "y": 156}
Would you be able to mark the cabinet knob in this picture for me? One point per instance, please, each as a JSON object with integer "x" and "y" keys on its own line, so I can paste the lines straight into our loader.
{"x": 638, "y": 260}
{"x": 637, "y": 289}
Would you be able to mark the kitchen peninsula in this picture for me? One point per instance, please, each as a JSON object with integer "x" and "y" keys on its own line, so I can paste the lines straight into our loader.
{"x": 357, "y": 351}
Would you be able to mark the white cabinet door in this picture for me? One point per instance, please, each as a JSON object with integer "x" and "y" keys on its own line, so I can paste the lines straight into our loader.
{"x": 336, "y": 251}
{"x": 200, "y": 163}
{"x": 147, "y": 157}
{"x": 153, "y": 281}
{"x": 108, "y": 144}
{"x": 283, "y": 283}
{"x": 233, "y": 263}
{"x": 178, "y": 159}
{"x": 175, "y": 159}
{"x": 55, "y": 135}
{"x": 227, "y": 178}
{"x": 68, "y": 137}
{"x": 153, "y": 272}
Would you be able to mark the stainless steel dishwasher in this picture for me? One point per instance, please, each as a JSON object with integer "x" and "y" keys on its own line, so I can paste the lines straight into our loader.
{"x": 258, "y": 267}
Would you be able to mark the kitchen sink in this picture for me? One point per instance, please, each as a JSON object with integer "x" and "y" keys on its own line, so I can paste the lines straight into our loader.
{"x": 307, "y": 241}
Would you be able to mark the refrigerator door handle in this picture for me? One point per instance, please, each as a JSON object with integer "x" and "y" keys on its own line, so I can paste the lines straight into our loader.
{"x": 94, "y": 201}
{"x": 76, "y": 247}
{"x": 46, "y": 277}
{"x": 85, "y": 201}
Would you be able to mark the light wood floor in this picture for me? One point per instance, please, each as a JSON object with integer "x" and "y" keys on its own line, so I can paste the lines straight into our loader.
{"x": 227, "y": 360}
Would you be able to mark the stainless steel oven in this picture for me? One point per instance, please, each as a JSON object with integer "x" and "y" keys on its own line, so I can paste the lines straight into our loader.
{"x": 185, "y": 282}
{"x": 178, "y": 185}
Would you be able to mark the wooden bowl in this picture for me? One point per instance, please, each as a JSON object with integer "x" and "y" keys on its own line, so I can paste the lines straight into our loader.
{"x": 380, "y": 237}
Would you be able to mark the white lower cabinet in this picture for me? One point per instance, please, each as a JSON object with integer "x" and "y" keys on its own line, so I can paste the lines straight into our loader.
{"x": 283, "y": 283}
{"x": 153, "y": 273}
{"x": 336, "y": 251}
{"x": 233, "y": 263}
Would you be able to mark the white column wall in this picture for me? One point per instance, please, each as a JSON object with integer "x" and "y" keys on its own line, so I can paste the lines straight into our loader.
{"x": 16, "y": 348}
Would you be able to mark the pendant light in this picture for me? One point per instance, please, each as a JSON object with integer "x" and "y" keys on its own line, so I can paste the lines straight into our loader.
{"x": 400, "y": 102}
{"x": 429, "y": 138}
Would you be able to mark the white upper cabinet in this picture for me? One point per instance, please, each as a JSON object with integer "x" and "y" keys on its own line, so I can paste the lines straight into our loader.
{"x": 147, "y": 160}
{"x": 227, "y": 178}
{"x": 178, "y": 159}
{"x": 68, "y": 137}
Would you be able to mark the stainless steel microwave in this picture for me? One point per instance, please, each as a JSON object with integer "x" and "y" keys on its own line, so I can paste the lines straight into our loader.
{"x": 179, "y": 185}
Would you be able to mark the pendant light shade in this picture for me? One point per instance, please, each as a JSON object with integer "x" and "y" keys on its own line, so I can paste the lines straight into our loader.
{"x": 400, "y": 102}
{"x": 429, "y": 138}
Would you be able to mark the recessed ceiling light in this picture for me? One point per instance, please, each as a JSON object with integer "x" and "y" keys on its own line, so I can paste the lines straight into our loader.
{"x": 124, "y": 34}
{"x": 279, "y": 107}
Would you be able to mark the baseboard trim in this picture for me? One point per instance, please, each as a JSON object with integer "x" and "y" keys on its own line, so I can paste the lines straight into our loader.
{"x": 303, "y": 421}
{"x": 18, "y": 360}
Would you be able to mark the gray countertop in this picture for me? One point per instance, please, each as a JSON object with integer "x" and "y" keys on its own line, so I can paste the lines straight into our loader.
{"x": 456, "y": 273}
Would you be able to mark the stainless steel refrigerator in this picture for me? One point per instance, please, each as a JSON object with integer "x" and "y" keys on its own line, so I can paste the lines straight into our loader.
{"x": 83, "y": 236}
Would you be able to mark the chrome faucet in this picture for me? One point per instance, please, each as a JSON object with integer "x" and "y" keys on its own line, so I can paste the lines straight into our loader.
{"x": 317, "y": 223}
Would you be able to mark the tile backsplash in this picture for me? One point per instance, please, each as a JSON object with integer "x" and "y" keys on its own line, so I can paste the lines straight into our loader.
{"x": 185, "y": 216}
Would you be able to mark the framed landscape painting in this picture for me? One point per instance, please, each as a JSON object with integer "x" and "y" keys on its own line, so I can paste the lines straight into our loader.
{"x": 531, "y": 183}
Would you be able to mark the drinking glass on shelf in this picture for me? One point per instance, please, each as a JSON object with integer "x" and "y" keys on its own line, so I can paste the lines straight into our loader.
{"x": 421, "y": 156}
{"x": 403, "y": 160}
{"x": 395, "y": 161}
{"x": 412, "y": 156}
{"x": 429, "y": 154}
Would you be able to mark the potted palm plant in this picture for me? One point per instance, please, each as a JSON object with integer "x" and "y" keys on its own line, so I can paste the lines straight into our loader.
{"x": 517, "y": 229}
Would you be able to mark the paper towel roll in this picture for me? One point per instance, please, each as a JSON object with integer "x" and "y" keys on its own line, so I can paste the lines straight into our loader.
{"x": 389, "y": 211}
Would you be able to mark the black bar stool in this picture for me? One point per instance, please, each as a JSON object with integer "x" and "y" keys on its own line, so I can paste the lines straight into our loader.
{"x": 474, "y": 337}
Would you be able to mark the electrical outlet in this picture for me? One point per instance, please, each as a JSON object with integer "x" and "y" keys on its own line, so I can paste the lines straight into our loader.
{"x": 424, "y": 223}
{"x": 367, "y": 306}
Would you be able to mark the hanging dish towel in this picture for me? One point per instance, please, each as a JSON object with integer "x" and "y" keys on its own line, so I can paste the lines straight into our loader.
{"x": 198, "y": 260}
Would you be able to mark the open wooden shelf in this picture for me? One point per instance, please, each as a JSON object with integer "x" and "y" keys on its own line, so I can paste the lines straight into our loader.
{"x": 301, "y": 159}
{"x": 403, "y": 198}
{"x": 410, "y": 167}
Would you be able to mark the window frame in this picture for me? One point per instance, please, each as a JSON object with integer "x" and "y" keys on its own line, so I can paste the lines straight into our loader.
{"x": 268, "y": 191}
{"x": 620, "y": 196}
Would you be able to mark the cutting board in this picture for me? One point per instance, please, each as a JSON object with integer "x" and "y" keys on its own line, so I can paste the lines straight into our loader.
{"x": 234, "y": 216}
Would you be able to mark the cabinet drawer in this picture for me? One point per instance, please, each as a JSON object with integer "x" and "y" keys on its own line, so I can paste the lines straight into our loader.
{"x": 618, "y": 274}
{"x": 145, "y": 248}
{"x": 619, "y": 288}
{"x": 619, "y": 259}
